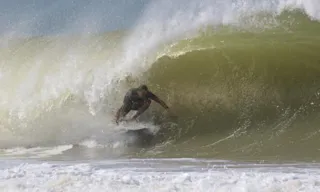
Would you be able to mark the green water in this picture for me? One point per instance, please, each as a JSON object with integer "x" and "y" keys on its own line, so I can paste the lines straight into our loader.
{"x": 246, "y": 95}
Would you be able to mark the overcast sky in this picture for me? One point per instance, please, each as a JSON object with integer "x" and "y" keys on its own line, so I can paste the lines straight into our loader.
{"x": 40, "y": 17}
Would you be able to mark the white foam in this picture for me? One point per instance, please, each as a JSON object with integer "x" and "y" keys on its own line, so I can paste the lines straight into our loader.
{"x": 114, "y": 144}
{"x": 86, "y": 177}
{"x": 37, "y": 152}
{"x": 135, "y": 126}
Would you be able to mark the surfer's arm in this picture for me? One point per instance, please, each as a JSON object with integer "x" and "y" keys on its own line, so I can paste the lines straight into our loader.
{"x": 158, "y": 100}
{"x": 164, "y": 105}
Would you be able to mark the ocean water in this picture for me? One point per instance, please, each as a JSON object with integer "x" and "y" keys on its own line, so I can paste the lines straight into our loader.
{"x": 243, "y": 78}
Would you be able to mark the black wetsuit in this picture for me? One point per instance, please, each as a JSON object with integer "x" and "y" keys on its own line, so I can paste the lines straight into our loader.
{"x": 132, "y": 101}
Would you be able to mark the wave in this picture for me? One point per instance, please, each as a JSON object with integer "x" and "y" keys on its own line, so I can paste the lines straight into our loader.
{"x": 236, "y": 77}
{"x": 251, "y": 95}
{"x": 261, "y": 91}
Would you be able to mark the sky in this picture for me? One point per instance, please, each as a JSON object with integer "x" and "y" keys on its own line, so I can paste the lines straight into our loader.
{"x": 41, "y": 17}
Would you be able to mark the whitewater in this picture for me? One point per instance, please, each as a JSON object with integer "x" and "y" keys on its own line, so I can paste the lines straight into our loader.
{"x": 242, "y": 76}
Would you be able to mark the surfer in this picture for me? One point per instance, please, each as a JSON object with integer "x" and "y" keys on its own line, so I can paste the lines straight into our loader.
{"x": 138, "y": 99}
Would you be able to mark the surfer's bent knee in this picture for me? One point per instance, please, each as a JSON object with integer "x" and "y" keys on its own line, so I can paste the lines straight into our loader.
{"x": 146, "y": 104}
{"x": 126, "y": 108}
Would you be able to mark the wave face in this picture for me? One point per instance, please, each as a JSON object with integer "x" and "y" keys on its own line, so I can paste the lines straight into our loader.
{"x": 243, "y": 78}
{"x": 250, "y": 95}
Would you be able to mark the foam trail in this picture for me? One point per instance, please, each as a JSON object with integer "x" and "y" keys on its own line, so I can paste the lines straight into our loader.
{"x": 35, "y": 152}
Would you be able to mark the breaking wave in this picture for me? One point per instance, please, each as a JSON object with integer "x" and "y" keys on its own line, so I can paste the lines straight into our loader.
{"x": 242, "y": 77}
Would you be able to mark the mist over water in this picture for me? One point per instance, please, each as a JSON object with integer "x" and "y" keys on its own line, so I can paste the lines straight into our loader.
{"x": 237, "y": 73}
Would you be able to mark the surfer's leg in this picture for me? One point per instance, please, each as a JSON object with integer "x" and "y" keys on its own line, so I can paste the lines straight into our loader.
{"x": 125, "y": 111}
{"x": 122, "y": 112}
{"x": 143, "y": 108}
{"x": 125, "y": 108}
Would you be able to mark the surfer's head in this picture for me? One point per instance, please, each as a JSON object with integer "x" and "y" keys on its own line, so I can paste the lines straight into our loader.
{"x": 143, "y": 90}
